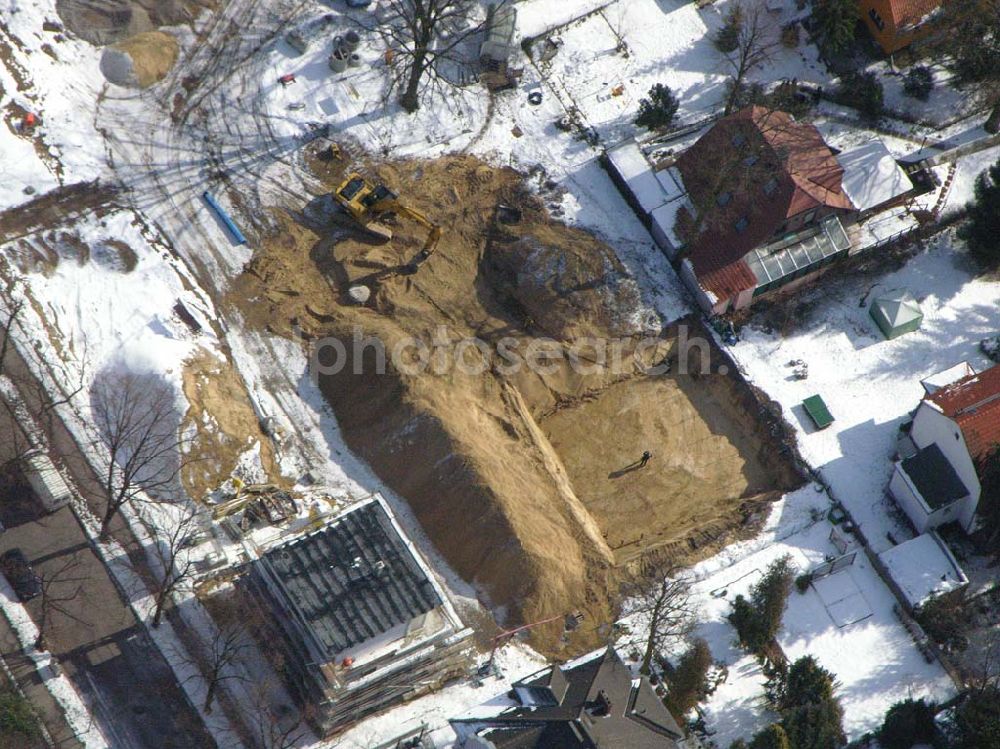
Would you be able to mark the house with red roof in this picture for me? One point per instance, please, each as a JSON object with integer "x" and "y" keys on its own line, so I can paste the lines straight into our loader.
{"x": 896, "y": 24}
{"x": 955, "y": 427}
{"x": 757, "y": 204}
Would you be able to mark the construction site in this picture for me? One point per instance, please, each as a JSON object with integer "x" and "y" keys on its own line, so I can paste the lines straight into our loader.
{"x": 529, "y": 482}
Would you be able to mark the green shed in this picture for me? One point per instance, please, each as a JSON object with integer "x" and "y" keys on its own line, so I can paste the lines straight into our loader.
{"x": 896, "y": 314}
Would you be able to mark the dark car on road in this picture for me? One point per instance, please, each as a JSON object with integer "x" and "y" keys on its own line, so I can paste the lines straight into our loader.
{"x": 22, "y": 578}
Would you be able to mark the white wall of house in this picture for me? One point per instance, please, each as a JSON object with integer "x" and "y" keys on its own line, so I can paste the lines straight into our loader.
{"x": 916, "y": 507}
{"x": 906, "y": 497}
{"x": 931, "y": 426}
{"x": 709, "y": 304}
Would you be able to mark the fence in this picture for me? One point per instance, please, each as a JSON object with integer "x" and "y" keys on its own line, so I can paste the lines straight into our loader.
{"x": 834, "y": 566}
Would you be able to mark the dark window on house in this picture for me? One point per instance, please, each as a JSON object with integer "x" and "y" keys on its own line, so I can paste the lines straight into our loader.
{"x": 742, "y": 223}
{"x": 770, "y": 186}
{"x": 724, "y": 198}
{"x": 739, "y": 139}
{"x": 876, "y": 19}
{"x": 751, "y": 159}
{"x": 808, "y": 218}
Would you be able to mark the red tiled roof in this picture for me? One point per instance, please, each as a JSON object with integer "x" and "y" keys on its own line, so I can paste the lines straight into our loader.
{"x": 911, "y": 11}
{"x": 739, "y": 156}
{"x": 974, "y": 403}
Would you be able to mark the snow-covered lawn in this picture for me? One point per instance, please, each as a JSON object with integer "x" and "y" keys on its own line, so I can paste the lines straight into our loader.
{"x": 870, "y": 384}
{"x": 846, "y": 621}
{"x": 667, "y": 41}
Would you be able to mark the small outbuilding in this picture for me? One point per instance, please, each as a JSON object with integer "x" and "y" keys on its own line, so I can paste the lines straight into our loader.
{"x": 896, "y": 314}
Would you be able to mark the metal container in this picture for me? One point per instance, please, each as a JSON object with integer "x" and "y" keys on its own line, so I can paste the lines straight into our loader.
{"x": 338, "y": 61}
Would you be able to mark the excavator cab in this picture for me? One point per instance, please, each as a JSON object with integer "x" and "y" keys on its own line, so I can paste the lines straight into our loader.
{"x": 366, "y": 202}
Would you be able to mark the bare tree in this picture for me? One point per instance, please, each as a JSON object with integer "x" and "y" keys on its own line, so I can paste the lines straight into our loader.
{"x": 11, "y": 310}
{"x": 275, "y": 727}
{"x": 665, "y": 609}
{"x": 170, "y": 546}
{"x": 426, "y": 37}
{"x": 59, "y": 587}
{"x": 138, "y": 422}
{"x": 756, "y": 41}
{"x": 223, "y": 659}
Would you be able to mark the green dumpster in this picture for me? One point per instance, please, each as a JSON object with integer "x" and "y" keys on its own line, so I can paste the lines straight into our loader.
{"x": 818, "y": 411}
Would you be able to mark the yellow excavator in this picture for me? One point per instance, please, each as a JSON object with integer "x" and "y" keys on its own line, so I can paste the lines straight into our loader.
{"x": 367, "y": 202}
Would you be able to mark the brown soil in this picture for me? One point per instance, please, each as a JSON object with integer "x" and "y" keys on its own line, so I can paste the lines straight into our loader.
{"x": 224, "y": 423}
{"x": 153, "y": 54}
{"x": 508, "y": 472}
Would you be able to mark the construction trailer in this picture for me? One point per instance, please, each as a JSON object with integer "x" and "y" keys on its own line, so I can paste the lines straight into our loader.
{"x": 46, "y": 482}
{"x": 360, "y": 621}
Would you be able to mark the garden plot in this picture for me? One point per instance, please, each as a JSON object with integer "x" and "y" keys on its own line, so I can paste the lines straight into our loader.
{"x": 831, "y": 619}
{"x": 870, "y": 384}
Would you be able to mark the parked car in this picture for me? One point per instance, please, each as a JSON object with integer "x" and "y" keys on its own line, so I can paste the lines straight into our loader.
{"x": 20, "y": 575}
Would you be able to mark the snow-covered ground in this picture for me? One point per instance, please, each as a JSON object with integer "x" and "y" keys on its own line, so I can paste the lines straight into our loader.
{"x": 846, "y": 621}
{"x": 870, "y": 384}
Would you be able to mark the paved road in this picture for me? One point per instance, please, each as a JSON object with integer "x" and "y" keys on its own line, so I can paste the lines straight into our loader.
{"x": 95, "y": 635}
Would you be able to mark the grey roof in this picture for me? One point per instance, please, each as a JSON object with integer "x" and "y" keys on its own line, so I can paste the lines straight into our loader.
{"x": 633, "y": 716}
{"x": 898, "y": 308}
{"x": 934, "y": 477}
{"x": 351, "y": 580}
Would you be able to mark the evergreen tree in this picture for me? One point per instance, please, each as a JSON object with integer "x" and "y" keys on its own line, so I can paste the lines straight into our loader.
{"x": 907, "y": 723}
{"x": 687, "y": 683}
{"x": 758, "y": 619}
{"x": 919, "y": 82}
{"x": 810, "y": 712}
{"x": 807, "y": 683}
{"x": 659, "y": 110}
{"x": 982, "y": 232}
{"x": 728, "y": 37}
{"x": 835, "y": 21}
{"x": 772, "y": 737}
{"x": 816, "y": 726}
{"x": 864, "y": 92}
{"x": 989, "y": 499}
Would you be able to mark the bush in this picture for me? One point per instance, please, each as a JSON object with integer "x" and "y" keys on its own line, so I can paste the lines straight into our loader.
{"x": 758, "y": 618}
{"x": 907, "y": 723}
{"x": 863, "y": 91}
{"x": 982, "y": 231}
{"x": 659, "y": 110}
{"x": 16, "y": 718}
{"x": 772, "y": 737}
{"x": 944, "y": 621}
{"x": 728, "y": 37}
{"x": 803, "y": 581}
{"x": 919, "y": 82}
{"x": 790, "y": 35}
{"x": 687, "y": 683}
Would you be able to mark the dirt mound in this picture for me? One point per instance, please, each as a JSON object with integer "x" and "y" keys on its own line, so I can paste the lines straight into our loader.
{"x": 568, "y": 283}
{"x": 140, "y": 60}
{"x": 491, "y": 456}
{"x": 225, "y": 428}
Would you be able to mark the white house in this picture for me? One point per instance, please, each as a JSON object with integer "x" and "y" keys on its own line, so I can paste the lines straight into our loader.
{"x": 956, "y": 424}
